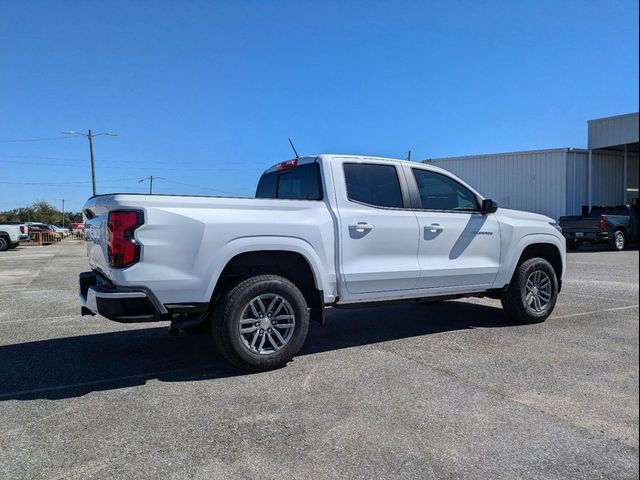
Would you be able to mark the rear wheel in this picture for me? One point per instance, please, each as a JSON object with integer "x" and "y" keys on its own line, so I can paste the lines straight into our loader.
{"x": 261, "y": 323}
{"x": 4, "y": 244}
{"x": 532, "y": 293}
{"x": 619, "y": 240}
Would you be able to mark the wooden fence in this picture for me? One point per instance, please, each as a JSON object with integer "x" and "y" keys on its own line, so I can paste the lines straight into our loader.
{"x": 47, "y": 238}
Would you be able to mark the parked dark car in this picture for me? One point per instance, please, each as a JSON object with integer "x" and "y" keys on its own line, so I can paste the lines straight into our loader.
{"x": 616, "y": 225}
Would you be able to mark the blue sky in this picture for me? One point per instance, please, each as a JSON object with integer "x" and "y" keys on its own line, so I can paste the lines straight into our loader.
{"x": 205, "y": 94}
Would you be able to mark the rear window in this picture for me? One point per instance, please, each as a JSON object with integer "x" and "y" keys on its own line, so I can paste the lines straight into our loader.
{"x": 299, "y": 183}
{"x": 373, "y": 184}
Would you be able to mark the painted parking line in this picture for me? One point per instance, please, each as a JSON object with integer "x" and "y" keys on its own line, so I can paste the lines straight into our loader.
{"x": 614, "y": 309}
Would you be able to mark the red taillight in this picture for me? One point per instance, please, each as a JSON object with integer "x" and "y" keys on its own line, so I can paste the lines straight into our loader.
{"x": 288, "y": 164}
{"x": 123, "y": 250}
{"x": 603, "y": 222}
{"x": 22, "y": 229}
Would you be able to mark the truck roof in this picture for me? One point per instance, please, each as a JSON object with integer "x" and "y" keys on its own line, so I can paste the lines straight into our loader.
{"x": 340, "y": 156}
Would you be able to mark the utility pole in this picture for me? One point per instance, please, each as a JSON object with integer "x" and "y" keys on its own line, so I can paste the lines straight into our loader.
{"x": 63, "y": 210}
{"x": 150, "y": 178}
{"x": 93, "y": 163}
{"x": 90, "y": 136}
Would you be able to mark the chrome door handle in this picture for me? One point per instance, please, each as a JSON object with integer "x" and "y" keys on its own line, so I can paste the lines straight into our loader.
{"x": 361, "y": 227}
{"x": 435, "y": 227}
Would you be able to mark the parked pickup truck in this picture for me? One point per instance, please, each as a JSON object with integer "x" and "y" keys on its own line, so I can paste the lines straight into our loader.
{"x": 11, "y": 233}
{"x": 617, "y": 226}
{"x": 327, "y": 230}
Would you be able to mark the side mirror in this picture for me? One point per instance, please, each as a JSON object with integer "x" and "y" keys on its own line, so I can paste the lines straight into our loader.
{"x": 488, "y": 206}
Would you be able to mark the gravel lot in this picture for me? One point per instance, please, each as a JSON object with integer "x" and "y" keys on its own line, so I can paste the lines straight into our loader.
{"x": 412, "y": 391}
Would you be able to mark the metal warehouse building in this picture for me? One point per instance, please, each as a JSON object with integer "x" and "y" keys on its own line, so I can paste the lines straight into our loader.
{"x": 560, "y": 181}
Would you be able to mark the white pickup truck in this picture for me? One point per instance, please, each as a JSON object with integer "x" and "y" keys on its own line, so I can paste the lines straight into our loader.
{"x": 11, "y": 234}
{"x": 327, "y": 230}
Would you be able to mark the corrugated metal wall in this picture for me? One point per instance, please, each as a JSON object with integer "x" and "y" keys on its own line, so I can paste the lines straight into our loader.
{"x": 577, "y": 193}
{"x": 611, "y": 131}
{"x": 532, "y": 181}
{"x": 608, "y": 179}
{"x": 551, "y": 182}
{"x": 633, "y": 174}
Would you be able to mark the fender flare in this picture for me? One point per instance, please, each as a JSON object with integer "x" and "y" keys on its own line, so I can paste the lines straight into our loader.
{"x": 238, "y": 246}
{"x": 511, "y": 261}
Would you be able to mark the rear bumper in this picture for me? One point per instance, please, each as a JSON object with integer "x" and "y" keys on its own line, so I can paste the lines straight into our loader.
{"x": 593, "y": 237}
{"x": 128, "y": 305}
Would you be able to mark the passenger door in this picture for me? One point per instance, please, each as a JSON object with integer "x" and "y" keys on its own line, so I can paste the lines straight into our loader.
{"x": 378, "y": 231}
{"x": 459, "y": 246}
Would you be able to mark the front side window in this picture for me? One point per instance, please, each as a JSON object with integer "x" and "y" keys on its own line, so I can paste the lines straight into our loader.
{"x": 439, "y": 192}
{"x": 376, "y": 185}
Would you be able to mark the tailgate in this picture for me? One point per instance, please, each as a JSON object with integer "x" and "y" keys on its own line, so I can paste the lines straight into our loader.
{"x": 580, "y": 224}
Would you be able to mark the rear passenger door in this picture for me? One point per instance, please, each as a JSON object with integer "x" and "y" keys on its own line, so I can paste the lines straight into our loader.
{"x": 378, "y": 232}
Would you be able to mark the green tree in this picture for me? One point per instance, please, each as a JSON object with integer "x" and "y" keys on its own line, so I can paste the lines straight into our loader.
{"x": 41, "y": 212}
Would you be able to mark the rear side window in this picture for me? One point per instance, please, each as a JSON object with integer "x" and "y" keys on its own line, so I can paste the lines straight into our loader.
{"x": 299, "y": 183}
{"x": 373, "y": 184}
{"x": 439, "y": 192}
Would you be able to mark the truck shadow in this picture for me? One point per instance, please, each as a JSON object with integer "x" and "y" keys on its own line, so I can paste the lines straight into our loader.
{"x": 74, "y": 366}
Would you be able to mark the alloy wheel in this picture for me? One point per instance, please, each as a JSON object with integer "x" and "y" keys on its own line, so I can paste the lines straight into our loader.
{"x": 266, "y": 324}
{"x": 538, "y": 291}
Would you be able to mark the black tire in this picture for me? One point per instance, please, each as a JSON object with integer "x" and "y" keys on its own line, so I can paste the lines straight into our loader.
{"x": 619, "y": 241}
{"x": 573, "y": 245}
{"x": 4, "y": 244}
{"x": 514, "y": 299}
{"x": 227, "y": 315}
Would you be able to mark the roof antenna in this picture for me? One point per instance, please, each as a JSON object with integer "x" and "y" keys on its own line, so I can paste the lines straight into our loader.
{"x": 294, "y": 148}
{"x": 409, "y": 155}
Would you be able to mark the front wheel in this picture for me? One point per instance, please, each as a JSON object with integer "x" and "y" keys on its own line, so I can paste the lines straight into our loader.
{"x": 261, "y": 323}
{"x": 532, "y": 293}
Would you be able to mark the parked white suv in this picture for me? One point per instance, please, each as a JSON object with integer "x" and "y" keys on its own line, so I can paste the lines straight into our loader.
{"x": 328, "y": 230}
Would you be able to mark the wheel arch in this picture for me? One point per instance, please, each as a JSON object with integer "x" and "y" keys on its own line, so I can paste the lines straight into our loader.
{"x": 547, "y": 251}
{"x": 298, "y": 263}
{"x": 621, "y": 228}
{"x": 544, "y": 246}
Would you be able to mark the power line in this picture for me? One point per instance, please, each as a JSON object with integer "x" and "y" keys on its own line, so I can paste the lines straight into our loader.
{"x": 204, "y": 188}
{"x": 44, "y": 139}
{"x": 66, "y": 183}
{"x": 39, "y": 157}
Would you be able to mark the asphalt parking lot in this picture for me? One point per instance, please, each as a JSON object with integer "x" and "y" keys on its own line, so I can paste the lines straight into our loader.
{"x": 412, "y": 391}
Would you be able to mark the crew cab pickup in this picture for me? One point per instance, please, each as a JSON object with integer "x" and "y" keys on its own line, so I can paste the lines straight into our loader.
{"x": 327, "y": 230}
{"x": 11, "y": 233}
{"x": 616, "y": 225}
